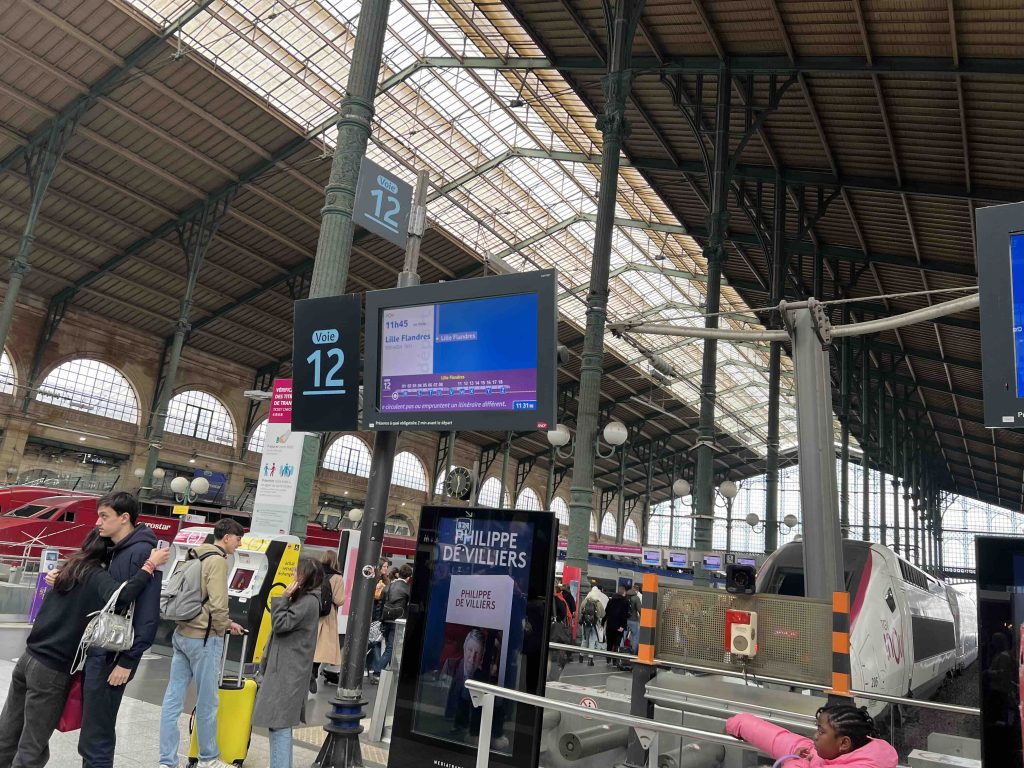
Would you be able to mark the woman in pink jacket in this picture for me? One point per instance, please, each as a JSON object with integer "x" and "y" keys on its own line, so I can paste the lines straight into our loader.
{"x": 846, "y": 737}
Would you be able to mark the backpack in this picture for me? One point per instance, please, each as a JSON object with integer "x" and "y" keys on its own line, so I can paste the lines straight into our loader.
{"x": 589, "y": 616}
{"x": 181, "y": 598}
{"x": 326, "y": 598}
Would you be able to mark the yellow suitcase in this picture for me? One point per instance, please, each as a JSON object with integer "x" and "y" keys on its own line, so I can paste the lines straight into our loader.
{"x": 234, "y": 713}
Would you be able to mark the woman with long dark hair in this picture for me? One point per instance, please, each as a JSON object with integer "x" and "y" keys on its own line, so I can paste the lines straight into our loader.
{"x": 42, "y": 676}
{"x": 288, "y": 659}
{"x": 328, "y": 645}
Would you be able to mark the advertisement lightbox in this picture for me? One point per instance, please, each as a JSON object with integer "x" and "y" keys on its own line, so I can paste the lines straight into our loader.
{"x": 479, "y": 609}
{"x": 475, "y": 354}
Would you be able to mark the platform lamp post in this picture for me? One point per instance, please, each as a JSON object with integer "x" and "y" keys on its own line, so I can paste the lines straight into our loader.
{"x": 158, "y": 478}
{"x": 727, "y": 490}
{"x": 186, "y": 492}
{"x": 680, "y": 490}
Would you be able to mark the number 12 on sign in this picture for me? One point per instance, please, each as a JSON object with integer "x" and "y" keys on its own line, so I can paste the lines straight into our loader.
{"x": 332, "y": 384}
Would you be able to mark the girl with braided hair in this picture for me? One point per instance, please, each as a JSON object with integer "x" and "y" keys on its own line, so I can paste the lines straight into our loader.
{"x": 846, "y": 736}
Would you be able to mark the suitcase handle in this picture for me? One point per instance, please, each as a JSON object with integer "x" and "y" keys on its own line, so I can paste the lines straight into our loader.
{"x": 241, "y": 659}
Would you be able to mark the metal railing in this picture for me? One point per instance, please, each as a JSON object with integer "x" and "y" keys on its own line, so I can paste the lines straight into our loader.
{"x": 749, "y": 676}
{"x": 483, "y": 695}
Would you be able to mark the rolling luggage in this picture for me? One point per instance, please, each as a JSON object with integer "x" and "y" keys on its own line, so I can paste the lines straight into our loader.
{"x": 234, "y": 713}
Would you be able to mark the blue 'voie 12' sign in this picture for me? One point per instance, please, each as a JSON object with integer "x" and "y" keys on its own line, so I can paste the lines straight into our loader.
{"x": 382, "y": 203}
{"x": 325, "y": 364}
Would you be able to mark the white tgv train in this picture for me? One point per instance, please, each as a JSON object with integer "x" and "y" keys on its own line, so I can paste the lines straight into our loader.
{"x": 908, "y": 630}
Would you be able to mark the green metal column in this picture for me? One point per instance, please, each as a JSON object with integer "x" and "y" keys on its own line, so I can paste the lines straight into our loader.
{"x": 845, "y": 374}
{"x": 194, "y": 236}
{"x": 504, "y": 494}
{"x": 714, "y": 253}
{"x": 41, "y": 159}
{"x": 865, "y": 438}
{"x": 614, "y": 128}
{"x": 882, "y": 535}
{"x": 771, "y": 500}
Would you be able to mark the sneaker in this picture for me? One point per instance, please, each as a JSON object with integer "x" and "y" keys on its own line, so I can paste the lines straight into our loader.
{"x": 500, "y": 743}
{"x": 312, "y": 685}
{"x": 214, "y": 763}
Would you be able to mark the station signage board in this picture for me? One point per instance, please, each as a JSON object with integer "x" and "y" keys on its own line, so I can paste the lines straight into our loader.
{"x": 382, "y": 203}
{"x": 480, "y": 610}
{"x": 325, "y": 364}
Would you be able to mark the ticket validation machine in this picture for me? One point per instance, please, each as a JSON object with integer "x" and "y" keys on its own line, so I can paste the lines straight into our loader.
{"x": 186, "y": 539}
{"x": 263, "y": 567}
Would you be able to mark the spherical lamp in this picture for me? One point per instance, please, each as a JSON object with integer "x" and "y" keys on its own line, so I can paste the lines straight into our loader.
{"x": 139, "y": 472}
{"x": 681, "y": 488}
{"x": 355, "y": 515}
{"x": 180, "y": 485}
{"x": 753, "y": 519}
{"x": 200, "y": 486}
{"x": 158, "y": 473}
{"x": 790, "y": 521}
{"x": 728, "y": 489}
{"x": 615, "y": 433}
{"x": 559, "y": 436}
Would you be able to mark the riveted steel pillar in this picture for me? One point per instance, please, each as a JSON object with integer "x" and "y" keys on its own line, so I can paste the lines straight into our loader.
{"x": 614, "y": 129}
{"x": 771, "y": 497}
{"x": 714, "y": 253}
{"x": 865, "y": 438}
{"x": 845, "y": 374}
{"x": 41, "y": 159}
{"x": 895, "y": 480}
{"x": 194, "y": 236}
{"x": 882, "y": 535}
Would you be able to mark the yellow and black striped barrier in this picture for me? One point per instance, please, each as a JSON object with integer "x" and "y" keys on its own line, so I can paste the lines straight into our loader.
{"x": 840, "y": 644}
{"x": 648, "y": 619}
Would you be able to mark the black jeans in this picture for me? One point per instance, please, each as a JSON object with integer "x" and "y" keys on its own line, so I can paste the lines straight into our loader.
{"x": 34, "y": 704}
{"x": 100, "y": 702}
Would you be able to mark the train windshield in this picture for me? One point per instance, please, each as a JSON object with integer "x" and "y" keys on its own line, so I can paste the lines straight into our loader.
{"x": 27, "y": 510}
{"x": 785, "y": 572}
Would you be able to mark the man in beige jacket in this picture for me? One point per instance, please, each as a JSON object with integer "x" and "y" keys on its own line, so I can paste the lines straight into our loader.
{"x": 198, "y": 647}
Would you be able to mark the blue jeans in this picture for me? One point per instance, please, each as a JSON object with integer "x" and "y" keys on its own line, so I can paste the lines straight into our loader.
{"x": 280, "y": 748}
{"x": 589, "y": 636}
{"x": 633, "y": 625}
{"x": 192, "y": 659}
{"x": 388, "y": 629}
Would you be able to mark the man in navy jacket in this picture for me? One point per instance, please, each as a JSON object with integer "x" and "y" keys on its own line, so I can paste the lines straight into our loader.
{"x": 106, "y": 674}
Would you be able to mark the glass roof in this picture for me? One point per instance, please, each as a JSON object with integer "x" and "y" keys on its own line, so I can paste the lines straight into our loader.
{"x": 532, "y": 212}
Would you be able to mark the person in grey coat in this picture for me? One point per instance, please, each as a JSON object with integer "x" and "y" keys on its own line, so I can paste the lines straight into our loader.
{"x": 288, "y": 660}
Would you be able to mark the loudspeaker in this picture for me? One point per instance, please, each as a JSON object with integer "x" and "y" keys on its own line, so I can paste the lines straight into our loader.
{"x": 740, "y": 579}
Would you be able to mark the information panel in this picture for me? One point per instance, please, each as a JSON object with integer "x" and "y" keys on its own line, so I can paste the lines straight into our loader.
{"x": 1000, "y": 232}
{"x": 325, "y": 364}
{"x": 479, "y": 610}
{"x": 472, "y": 354}
{"x": 1000, "y": 645}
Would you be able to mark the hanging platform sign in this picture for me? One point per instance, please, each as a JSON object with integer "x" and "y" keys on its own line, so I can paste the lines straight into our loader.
{"x": 1000, "y": 251}
{"x": 279, "y": 466}
{"x": 479, "y": 610}
{"x": 325, "y": 364}
{"x": 382, "y": 203}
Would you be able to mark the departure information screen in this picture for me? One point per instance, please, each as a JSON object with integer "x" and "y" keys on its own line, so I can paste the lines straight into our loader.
{"x": 1017, "y": 278}
{"x": 457, "y": 356}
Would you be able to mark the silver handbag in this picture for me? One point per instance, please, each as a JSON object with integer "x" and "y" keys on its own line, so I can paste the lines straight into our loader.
{"x": 107, "y": 631}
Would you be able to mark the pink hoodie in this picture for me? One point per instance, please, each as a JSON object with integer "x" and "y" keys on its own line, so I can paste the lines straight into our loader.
{"x": 778, "y": 742}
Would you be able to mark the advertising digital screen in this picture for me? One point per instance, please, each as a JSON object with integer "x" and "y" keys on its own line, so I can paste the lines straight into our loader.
{"x": 677, "y": 559}
{"x": 1001, "y": 649}
{"x": 479, "y": 611}
{"x": 652, "y": 557}
{"x": 469, "y": 354}
{"x": 712, "y": 561}
{"x": 1017, "y": 286}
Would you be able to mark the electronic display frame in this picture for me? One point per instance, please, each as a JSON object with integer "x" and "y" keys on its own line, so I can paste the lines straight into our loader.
{"x": 543, "y": 284}
{"x": 1000, "y": 593}
{"x": 651, "y": 556}
{"x": 460, "y": 565}
{"x": 1000, "y": 255}
{"x": 678, "y": 559}
{"x": 712, "y": 562}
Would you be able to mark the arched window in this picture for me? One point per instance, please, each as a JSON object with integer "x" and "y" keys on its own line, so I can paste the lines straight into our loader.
{"x": 490, "y": 492}
{"x": 397, "y": 525}
{"x": 7, "y": 378}
{"x": 593, "y": 524}
{"x": 528, "y": 500}
{"x": 561, "y": 510}
{"x": 91, "y": 387}
{"x": 200, "y": 415}
{"x": 257, "y": 438}
{"x": 408, "y": 472}
{"x": 348, "y": 454}
{"x": 608, "y": 526}
{"x": 630, "y": 532}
